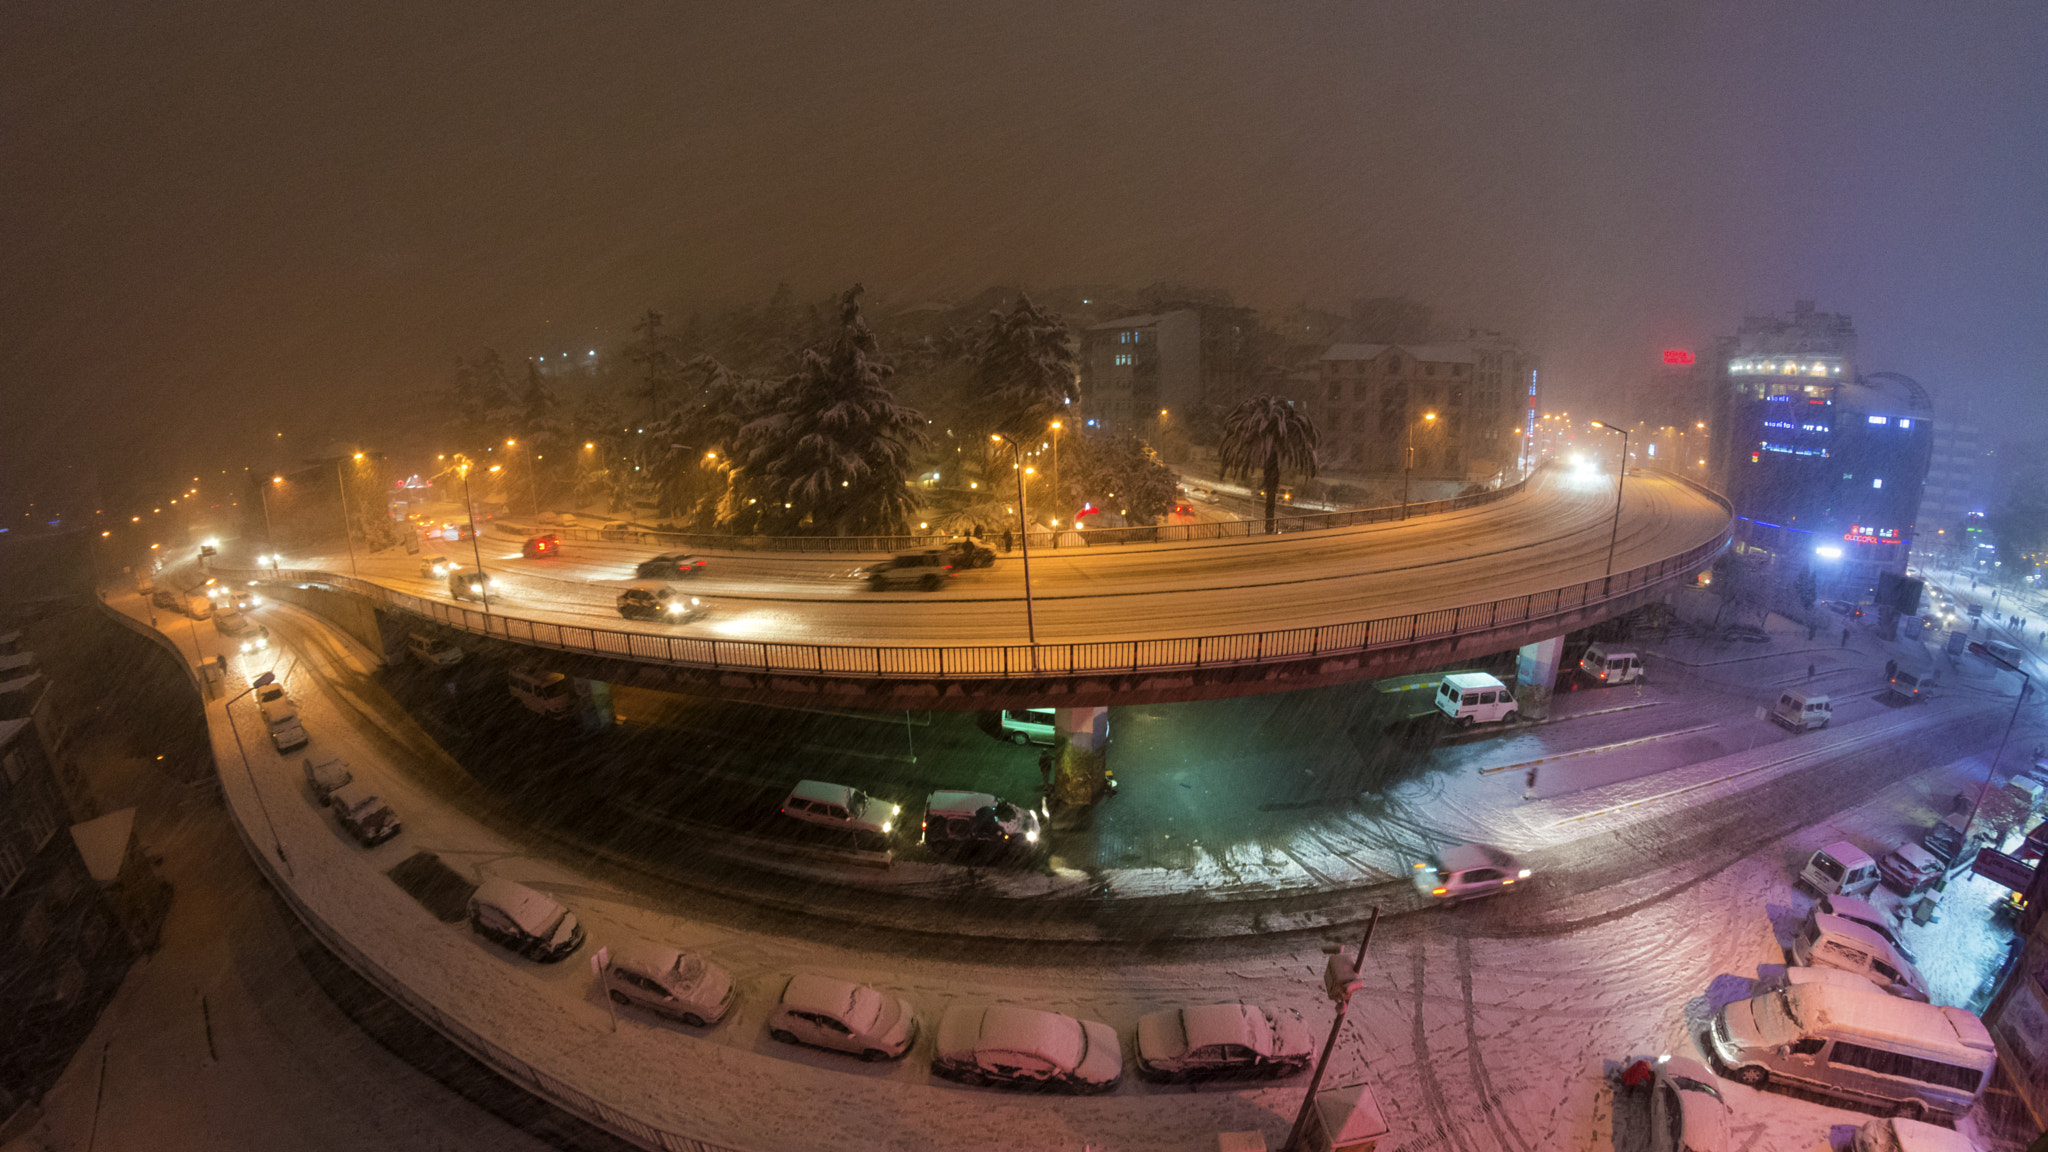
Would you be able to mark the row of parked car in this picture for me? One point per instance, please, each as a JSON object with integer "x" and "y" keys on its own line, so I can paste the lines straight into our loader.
{"x": 983, "y": 1043}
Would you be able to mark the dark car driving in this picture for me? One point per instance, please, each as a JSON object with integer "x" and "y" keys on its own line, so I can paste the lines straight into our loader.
{"x": 669, "y": 564}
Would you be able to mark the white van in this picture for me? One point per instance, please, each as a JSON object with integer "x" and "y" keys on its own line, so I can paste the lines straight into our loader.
{"x": 1800, "y": 710}
{"x": 1916, "y": 1058}
{"x": 427, "y": 650}
{"x": 547, "y": 693}
{"x": 1826, "y": 941}
{"x": 1606, "y": 666}
{"x": 1840, "y": 869}
{"x": 1470, "y": 698}
{"x": 2009, "y": 653}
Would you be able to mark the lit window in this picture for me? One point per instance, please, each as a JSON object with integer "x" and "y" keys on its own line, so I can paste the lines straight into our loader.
{"x": 1877, "y": 482}
{"x": 1123, "y": 358}
{"x": 1905, "y": 423}
{"x": 1879, "y": 420}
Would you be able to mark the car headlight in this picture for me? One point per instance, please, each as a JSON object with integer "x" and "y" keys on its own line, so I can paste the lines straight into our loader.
{"x": 1031, "y": 837}
{"x": 1524, "y": 874}
{"x": 885, "y": 825}
{"x": 896, "y": 810}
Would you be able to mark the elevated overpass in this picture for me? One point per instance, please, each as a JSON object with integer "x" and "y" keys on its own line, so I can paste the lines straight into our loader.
{"x": 1123, "y": 624}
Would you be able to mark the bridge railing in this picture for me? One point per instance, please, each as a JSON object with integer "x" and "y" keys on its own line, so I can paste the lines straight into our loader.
{"x": 1090, "y": 537}
{"x": 1023, "y": 661}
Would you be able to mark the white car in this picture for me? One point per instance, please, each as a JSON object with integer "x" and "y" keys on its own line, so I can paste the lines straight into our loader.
{"x": 846, "y": 1017}
{"x": 1217, "y": 1040}
{"x": 523, "y": 920}
{"x": 670, "y": 981}
{"x": 437, "y": 567}
{"x": 1026, "y": 1048}
{"x": 1898, "y": 1134}
{"x": 1465, "y": 872}
{"x": 840, "y": 806}
{"x": 258, "y": 642}
{"x": 1687, "y": 1113}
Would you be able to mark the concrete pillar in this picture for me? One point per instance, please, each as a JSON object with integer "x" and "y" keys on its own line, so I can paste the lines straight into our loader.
{"x": 1535, "y": 674}
{"x": 1081, "y": 743}
{"x": 593, "y": 705}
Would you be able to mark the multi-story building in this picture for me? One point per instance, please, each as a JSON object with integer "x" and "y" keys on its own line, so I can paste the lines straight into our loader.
{"x": 63, "y": 951}
{"x": 1138, "y": 370}
{"x": 1467, "y": 408}
{"x": 1825, "y": 466}
{"x": 1959, "y": 478}
{"x": 1673, "y": 415}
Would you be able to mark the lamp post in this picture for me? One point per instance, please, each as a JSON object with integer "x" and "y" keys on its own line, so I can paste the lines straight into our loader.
{"x": 483, "y": 578}
{"x": 532, "y": 473}
{"x": 1341, "y": 991}
{"x": 229, "y": 709}
{"x": 1058, "y": 498}
{"x": 263, "y": 498}
{"x": 347, "y": 533}
{"x": 1408, "y": 474}
{"x": 1620, "y": 478}
{"x": 1024, "y": 537}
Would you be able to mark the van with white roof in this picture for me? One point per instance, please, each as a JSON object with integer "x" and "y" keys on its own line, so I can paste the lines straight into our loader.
{"x": 1840, "y": 869}
{"x": 1894, "y": 1134}
{"x": 1826, "y": 941}
{"x": 1470, "y": 698}
{"x": 543, "y": 692}
{"x": 1917, "y": 1059}
{"x": 1799, "y": 709}
{"x": 1606, "y": 665}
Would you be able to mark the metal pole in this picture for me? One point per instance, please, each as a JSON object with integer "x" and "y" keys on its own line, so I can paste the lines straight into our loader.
{"x": 2026, "y": 687}
{"x": 1620, "y": 478}
{"x": 263, "y": 498}
{"x": 1315, "y": 1081}
{"x": 1024, "y": 536}
{"x": 347, "y": 533}
{"x": 483, "y": 579}
{"x": 229, "y": 709}
{"x": 1408, "y": 471}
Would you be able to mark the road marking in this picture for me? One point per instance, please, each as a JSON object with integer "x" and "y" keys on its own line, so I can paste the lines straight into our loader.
{"x": 1599, "y": 748}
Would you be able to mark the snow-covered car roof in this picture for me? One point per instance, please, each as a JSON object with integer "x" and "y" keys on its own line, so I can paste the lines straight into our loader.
{"x": 1050, "y": 1036}
{"x": 822, "y": 994}
{"x": 1846, "y": 854}
{"x": 1472, "y": 681}
{"x": 533, "y": 912}
{"x": 1920, "y": 1136}
{"x": 1915, "y": 855}
{"x": 649, "y": 958}
{"x": 823, "y": 793}
{"x": 1228, "y": 1024}
{"x": 964, "y": 803}
{"x": 1909, "y": 1024}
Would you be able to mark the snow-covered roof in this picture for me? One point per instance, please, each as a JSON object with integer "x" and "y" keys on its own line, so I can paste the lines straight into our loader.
{"x": 645, "y": 956}
{"x": 967, "y": 803}
{"x": 1421, "y": 353}
{"x": 1863, "y": 934}
{"x": 1144, "y": 321}
{"x": 823, "y": 793}
{"x": 1228, "y": 1024}
{"x": 1920, "y": 1136}
{"x": 1472, "y": 681}
{"x": 1907, "y": 1024}
{"x": 1460, "y": 857}
{"x": 529, "y": 909}
{"x": 1047, "y": 1035}
{"x": 824, "y": 995}
{"x": 1846, "y": 854}
{"x": 103, "y": 843}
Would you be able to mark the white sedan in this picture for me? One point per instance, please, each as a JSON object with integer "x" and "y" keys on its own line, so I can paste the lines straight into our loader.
{"x": 1026, "y": 1048}
{"x": 1217, "y": 1040}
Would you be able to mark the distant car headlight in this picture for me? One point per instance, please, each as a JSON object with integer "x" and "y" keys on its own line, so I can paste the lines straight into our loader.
{"x": 1525, "y": 874}
{"x": 885, "y": 825}
{"x": 1031, "y": 837}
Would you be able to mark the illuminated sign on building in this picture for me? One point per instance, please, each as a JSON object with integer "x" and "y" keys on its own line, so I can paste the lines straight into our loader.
{"x": 1677, "y": 356}
{"x": 1865, "y": 534}
{"x": 1788, "y": 366}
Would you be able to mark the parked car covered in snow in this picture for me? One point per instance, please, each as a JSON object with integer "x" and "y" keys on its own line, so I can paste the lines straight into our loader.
{"x": 1896, "y": 1134}
{"x": 1686, "y": 1110}
{"x": 1869, "y": 915}
{"x": 1223, "y": 1040}
{"x": 840, "y": 806}
{"x": 281, "y": 720}
{"x": 1836, "y": 942}
{"x": 1841, "y": 868}
{"x": 1019, "y": 1047}
{"x": 670, "y": 981}
{"x": 826, "y": 1012}
{"x": 1910, "y": 869}
{"x": 326, "y": 776}
{"x": 963, "y": 821}
{"x": 518, "y": 918}
{"x": 363, "y": 816}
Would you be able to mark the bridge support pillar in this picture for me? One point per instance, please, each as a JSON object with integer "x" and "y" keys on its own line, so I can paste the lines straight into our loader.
{"x": 593, "y": 705}
{"x": 1536, "y": 675}
{"x": 1080, "y": 775}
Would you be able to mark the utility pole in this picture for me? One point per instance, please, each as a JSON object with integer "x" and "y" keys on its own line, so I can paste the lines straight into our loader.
{"x": 1342, "y": 981}
{"x": 1024, "y": 537}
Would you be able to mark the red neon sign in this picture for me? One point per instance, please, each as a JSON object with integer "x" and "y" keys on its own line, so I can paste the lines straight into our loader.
{"x": 1677, "y": 356}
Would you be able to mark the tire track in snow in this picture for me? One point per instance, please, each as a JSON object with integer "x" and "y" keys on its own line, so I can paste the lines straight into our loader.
{"x": 1489, "y": 1100}
{"x": 1443, "y": 1130}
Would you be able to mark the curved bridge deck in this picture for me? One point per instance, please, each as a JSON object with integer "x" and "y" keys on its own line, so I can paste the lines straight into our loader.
{"x": 1116, "y": 625}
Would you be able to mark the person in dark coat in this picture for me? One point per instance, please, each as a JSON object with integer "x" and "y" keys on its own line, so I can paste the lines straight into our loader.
{"x": 1006, "y": 539}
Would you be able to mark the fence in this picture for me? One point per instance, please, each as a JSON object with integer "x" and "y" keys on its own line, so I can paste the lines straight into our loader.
{"x": 1156, "y": 534}
{"x": 1008, "y": 661}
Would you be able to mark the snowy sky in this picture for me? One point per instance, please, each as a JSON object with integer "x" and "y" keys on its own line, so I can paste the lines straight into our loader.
{"x": 223, "y": 218}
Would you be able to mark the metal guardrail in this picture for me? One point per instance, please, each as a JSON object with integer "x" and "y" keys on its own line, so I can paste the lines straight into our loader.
{"x": 1155, "y": 534}
{"x": 1018, "y": 661}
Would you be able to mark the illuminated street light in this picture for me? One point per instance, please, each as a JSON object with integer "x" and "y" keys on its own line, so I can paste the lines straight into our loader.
{"x": 1024, "y": 536}
{"x": 1620, "y": 478}
{"x": 1408, "y": 473}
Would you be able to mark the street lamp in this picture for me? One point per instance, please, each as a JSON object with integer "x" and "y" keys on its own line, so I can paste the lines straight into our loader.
{"x": 1024, "y": 536}
{"x": 483, "y": 578}
{"x": 229, "y": 709}
{"x": 1620, "y": 477}
{"x": 347, "y": 533}
{"x": 532, "y": 473}
{"x": 1408, "y": 473}
{"x": 1057, "y": 495}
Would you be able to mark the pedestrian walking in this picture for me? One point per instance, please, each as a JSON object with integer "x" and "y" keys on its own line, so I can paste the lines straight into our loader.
{"x": 1529, "y": 785}
{"x": 1809, "y": 671}
{"x": 1006, "y": 540}
{"x": 1045, "y": 767}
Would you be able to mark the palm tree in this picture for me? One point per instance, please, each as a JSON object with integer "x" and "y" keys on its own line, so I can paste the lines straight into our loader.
{"x": 1268, "y": 435}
